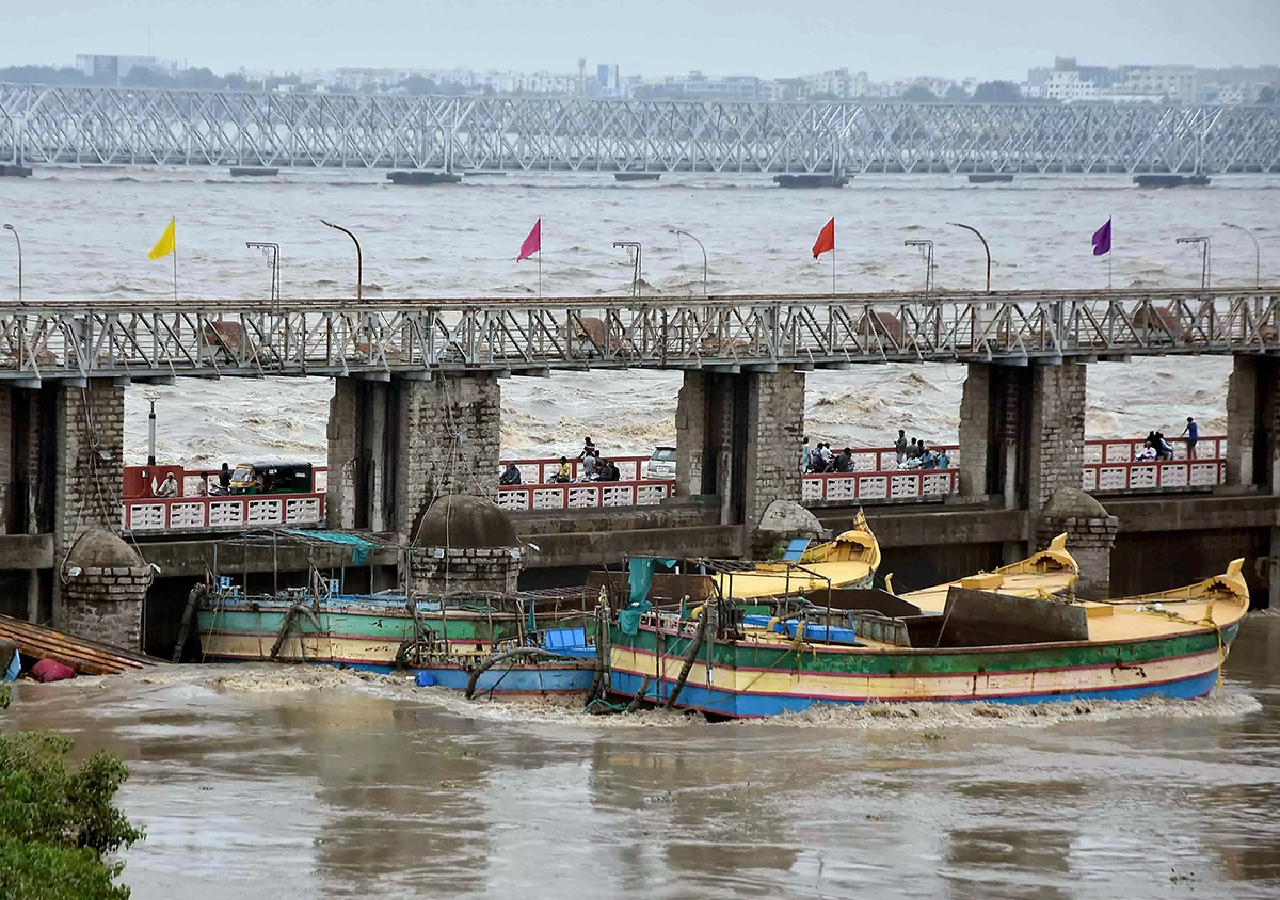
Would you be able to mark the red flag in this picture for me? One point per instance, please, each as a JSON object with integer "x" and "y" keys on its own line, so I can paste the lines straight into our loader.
{"x": 533, "y": 243}
{"x": 826, "y": 238}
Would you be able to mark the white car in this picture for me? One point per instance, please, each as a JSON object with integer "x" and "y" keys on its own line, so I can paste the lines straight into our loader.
{"x": 662, "y": 465}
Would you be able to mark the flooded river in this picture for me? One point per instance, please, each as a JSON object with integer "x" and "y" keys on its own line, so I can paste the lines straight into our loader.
{"x": 290, "y": 782}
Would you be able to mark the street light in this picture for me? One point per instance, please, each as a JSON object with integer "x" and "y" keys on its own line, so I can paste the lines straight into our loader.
{"x": 985, "y": 246}
{"x": 679, "y": 231}
{"x": 1206, "y": 265}
{"x": 359, "y": 259}
{"x": 926, "y": 250}
{"x": 637, "y": 275}
{"x": 8, "y": 227}
{"x": 272, "y": 252}
{"x": 1257, "y": 253}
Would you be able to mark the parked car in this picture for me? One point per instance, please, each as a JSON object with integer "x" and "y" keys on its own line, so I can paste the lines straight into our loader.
{"x": 662, "y": 465}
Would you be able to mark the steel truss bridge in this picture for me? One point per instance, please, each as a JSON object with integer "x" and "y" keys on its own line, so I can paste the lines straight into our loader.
{"x": 45, "y": 124}
{"x": 152, "y": 340}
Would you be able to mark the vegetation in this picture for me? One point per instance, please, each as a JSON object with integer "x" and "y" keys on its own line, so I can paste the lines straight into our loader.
{"x": 56, "y": 825}
{"x": 997, "y": 92}
{"x": 1269, "y": 96}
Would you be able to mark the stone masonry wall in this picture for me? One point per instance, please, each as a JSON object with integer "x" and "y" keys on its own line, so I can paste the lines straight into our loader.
{"x": 470, "y": 571}
{"x": 691, "y": 433}
{"x": 88, "y": 487}
{"x": 1090, "y": 541}
{"x": 1057, "y": 431}
{"x": 1254, "y": 381}
{"x": 340, "y": 489}
{"x": 975, "y": 429}
{"x": 105, "y": 604}
{"x": 774, "y": 432}
{"x": 448, "y": 441}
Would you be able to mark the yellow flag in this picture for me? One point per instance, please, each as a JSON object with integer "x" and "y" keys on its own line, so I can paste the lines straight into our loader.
{"x": 168, "y": 242}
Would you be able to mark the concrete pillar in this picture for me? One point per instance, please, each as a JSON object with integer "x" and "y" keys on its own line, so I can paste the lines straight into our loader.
{"x": 738, "y": 436}
{"x": 88, "y": 475}
{"x": 8, "y": 478}
{"x": 1273, "y": 571}
{"x": 975, "y": 430}
{"x": 1253, "y": 423}
{"x": 995, "y": 444}
{"x": 1058, "y": 399}
{"x": 395, "y": 446}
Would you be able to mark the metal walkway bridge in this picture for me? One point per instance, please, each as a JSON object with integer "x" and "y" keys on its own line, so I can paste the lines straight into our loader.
{"x": 44, "y": 124}
{"x": 154, "y": 340}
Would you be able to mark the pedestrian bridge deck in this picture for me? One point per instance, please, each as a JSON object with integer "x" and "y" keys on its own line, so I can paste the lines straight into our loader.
{"x": 151, "y": 339}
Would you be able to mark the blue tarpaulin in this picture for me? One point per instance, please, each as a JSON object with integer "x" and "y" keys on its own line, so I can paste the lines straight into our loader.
{"x": 359, "y": 546}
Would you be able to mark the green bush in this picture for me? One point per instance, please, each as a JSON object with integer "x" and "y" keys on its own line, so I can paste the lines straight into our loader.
{"x": 56, "y": 824}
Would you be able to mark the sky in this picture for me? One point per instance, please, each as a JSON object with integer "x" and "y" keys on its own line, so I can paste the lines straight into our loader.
{"x": 987, "y": 39}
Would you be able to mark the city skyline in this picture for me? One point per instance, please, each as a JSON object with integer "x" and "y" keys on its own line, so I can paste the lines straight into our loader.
{"x": 759, "y": 39}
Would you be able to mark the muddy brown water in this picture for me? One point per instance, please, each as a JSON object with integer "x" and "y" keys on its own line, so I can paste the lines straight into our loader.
{"x": 293, "y": 782}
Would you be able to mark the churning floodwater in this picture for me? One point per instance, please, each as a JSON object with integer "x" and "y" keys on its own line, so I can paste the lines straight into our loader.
{"x": 296, "y": 782}
{"x": 86, "y": 234}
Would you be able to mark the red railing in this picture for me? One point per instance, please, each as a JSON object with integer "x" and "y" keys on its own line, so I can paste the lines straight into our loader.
{"x": 1124, "y": 450}
{"x": 890, "y": 484}
{"x": 191, "y": 482}
{"x": 583, "y": 495}
{"x": 1153, "y": 476}
{"x": 544, "y": 471}
{"x": 154, "y": 514}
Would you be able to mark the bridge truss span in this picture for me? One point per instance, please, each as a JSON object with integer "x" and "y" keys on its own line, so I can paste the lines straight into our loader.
{"x": 149, "y": 339}
{"x": 93, "y": 125}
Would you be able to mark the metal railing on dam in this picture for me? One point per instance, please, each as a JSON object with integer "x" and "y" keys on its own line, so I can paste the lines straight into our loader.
{"x": 52, "y": 124}
{"x": 147, "y": 339}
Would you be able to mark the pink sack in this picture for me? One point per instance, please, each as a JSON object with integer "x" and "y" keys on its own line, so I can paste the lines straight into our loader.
{"x": 47, "y": 670}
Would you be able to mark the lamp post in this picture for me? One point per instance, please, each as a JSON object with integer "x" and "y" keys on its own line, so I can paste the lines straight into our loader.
{"x": 1257, "y": 253}
{"x": 8, "y": 227}
{"x": 926, "y": 250}
{"x": 272, "y": 252}
{"x": 985, "y": 246}
{"x": 1206, "y": 264}
{"x": 679, "y": 231}
{"x": 637, "y": 275}
{"x": 359, "y": 259}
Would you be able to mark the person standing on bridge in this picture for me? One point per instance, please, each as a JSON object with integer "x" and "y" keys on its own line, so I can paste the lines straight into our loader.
{"x": 1192, "y": 434}
{"x": 806, "y": 455}
{"x": 900, "y": 446}
{"x": 224, "y": 479}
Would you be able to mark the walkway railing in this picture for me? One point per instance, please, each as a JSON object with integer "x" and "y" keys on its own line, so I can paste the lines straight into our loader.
{"x": 587, "y": 495}
{"x": 895, "y": 484}
{"x": 151, "y": 339}
{"x": 182, "y": 514}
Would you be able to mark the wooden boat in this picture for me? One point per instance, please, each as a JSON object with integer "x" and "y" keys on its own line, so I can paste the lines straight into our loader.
{"x": 383, "y": 632}
{"x": 850, "y": 560}
{"x": 1050, "y": 573}
{"x": 1017, "y": 642}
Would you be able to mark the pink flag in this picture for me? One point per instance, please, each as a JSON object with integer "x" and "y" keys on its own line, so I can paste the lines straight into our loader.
{"x": 533, "y": 243}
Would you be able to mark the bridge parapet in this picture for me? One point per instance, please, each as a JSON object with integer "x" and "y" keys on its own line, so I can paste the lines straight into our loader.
{"x": 150, "y": 339}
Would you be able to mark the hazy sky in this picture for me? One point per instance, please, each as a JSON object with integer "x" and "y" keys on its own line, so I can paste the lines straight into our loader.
{"x": 770, "y": 38}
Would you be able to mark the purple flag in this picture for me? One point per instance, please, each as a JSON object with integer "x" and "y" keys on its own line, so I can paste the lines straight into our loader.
{"x": 1102, "y": 240}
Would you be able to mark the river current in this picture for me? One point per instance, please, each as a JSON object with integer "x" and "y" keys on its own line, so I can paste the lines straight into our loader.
{"x": 86, "y": 233}
{"x": 295, "y": 782}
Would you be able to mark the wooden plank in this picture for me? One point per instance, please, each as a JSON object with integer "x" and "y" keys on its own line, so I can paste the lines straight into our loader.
{"x": 85, "y": 656}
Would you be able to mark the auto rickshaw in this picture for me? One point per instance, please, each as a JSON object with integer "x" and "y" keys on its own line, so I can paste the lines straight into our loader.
{"x": 273, "y": 478}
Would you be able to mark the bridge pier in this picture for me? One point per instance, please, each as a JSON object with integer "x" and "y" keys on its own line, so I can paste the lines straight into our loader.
{"x": 395, "y": 445}
{"x": 738, "y": 438}
{"x": 61, "y": 474}
{"x": 1253, "y": 442}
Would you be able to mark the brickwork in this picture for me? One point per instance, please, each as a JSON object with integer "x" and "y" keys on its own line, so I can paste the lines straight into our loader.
{"x": 104, "y": 603}
{"x": 1090, "y": 540}
{"x": 691, "y": 433}
{"x": 1253, "y": 416}
{"x": 1057, "y": 431}
{"x": 90, "y": 476}
{"x": 419, "y": 439}
{"x": 975, "y": 429}
{"x": 448, "y": 441}
{"x": 774, "y": 431}
{"x": 469, "y": 572}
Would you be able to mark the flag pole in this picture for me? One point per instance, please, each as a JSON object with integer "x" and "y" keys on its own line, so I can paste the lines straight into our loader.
{"x": 833, "y": 270}
{"x": 175, "y": 260}
{"x": 1110, "y": 248}
{"x": 539, "y": 268}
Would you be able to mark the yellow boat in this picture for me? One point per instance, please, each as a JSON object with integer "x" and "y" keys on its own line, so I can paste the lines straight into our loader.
{"x": 849, "y": 560}
{"x": 1049, "y": 573}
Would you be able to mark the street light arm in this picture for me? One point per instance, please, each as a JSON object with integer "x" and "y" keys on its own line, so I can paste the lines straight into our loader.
{"x": 1257, "y": 253}
{"x": 985, "y": 246}
{"x": 680, "y": 231}
{"x": 8, "y": 227}
{"x": 359, "y": 259}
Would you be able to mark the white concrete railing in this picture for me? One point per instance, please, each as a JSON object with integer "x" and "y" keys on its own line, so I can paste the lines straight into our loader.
{"x": 893, "y": 484}
{"x": 584, "y": 495}
{"x": 1144, "y": 476}
{"x": 182, "y": 514}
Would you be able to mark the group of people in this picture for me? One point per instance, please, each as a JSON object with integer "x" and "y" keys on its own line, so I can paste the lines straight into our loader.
{"x": 1156, "y": 448}
{"x": 822, "y": 459}
{"x": 916, "y": 454}
{"x": 594, "y": 468}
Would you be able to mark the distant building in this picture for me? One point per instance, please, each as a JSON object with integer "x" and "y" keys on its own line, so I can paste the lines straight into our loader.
{"x": 112, "y": 68}
{"x": 698, "y": 86}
